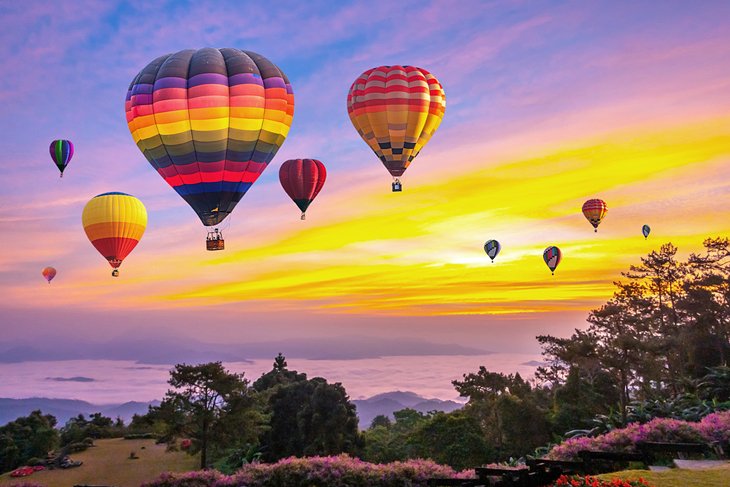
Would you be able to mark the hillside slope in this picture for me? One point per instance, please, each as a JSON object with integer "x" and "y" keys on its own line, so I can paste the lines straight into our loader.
{"x": 108, "y": 463}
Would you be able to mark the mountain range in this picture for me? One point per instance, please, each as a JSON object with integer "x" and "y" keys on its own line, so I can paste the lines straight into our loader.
{"x": 387, "y": 403}
{"x": 64, "y": 409}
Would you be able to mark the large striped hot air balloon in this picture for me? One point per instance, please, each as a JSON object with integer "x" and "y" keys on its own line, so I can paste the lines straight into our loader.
{"x": 396, "y": 110}
{"x": 552, "y": 257}
{"x": 302, "y": 179}
{"x": 114, "y": 223}
{"x": 61, "y": 152}
{"x": 48, "y": 273}
{"x": 210, "y": 121}
{"x": 594, "y": 210}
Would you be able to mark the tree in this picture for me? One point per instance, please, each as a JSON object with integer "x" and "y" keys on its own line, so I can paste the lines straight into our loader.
{"x": 27, "y": 437}
{"x": 484, "y": 390}
{"x": 453, "y": 439}
{"x": 277, "y": 376}
{"x": 311, "y": 417}
{"x": 78, "y": 428}
{"x": 380, "y": 420}
{"x": 200, "y": 403}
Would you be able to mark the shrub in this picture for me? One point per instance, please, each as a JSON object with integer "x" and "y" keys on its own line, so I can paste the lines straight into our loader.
{"x": 142, "y": 436}
{"x": 77, "y": 447}
{"x": 334, "y": 471}
{"x": 713, "y": 427}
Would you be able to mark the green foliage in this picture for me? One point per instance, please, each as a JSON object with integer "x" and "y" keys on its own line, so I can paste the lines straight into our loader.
{"x": 658, "y": 348}
{"x": 236, "y": 458}
{"x": 310, "y": 417}
{"x": 209, "y": 405}
{"x": 27, "y": 437}
{"x": 77, "y": 429}
{"x": 453, "y": 439}
{"x": 279, "y": 375}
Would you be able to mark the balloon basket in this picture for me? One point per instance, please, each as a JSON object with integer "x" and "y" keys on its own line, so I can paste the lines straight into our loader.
{"x": 215, "y": 241}
{"x": 115, "y": 273}
{"x": 304, "y": 216}
{"x": 397, "y": 186}
{"x": 213, "y": 245}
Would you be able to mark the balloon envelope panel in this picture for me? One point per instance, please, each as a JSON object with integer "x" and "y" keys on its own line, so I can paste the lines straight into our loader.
{"x": 552, "y": 257}
{"x": 49, "y": 273}
{"x": 594, "y": 210}
{"x": 61, "y": 152}
{"x": 210, "y": 121}
{"x": 492, "y": 248}
{"x": 302, "y": 179}
{"x": 396, "y": 110}
{"x": 114, "y": 223}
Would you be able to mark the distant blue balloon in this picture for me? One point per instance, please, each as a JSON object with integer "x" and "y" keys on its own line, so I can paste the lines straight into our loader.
{"x": 645, "y": 230}
{"x": 492, "y": 248}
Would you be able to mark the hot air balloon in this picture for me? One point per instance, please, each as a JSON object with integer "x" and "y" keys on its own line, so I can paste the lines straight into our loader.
{"x": 49, "y": 273}
{"x": 552, "y": 257}
{"x": 492, "y": 248}
{"x": 302, "y": 179}
{"x": 61, "y": 152}
{"x": 646, "y": 230}
{"x": 396, "y": 110}
{"x": 114, "y": 223}
{"x": 594, "y": 210}
{"x": 210, "y": 121}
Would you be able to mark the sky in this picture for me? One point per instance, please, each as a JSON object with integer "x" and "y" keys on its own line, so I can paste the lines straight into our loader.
{"x": 548, "y": 104}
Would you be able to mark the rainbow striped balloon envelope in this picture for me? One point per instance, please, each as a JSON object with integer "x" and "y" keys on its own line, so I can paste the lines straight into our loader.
{"x": 396, "y": 110}
{"x": 114, "y": 223}
{"x": 210, "y": 121}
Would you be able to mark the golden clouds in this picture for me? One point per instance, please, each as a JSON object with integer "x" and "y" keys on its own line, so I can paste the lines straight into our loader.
{"x": 421, "y": 252}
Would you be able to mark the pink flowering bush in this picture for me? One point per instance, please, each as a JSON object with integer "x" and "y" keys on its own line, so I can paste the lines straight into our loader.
{"x": 716, "y": 427}
{"x": 335, "y": 471}
{"x": 713, "y": 427}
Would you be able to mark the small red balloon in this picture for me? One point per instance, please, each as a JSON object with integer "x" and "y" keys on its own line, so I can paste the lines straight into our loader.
{"x": 302, "y": 179}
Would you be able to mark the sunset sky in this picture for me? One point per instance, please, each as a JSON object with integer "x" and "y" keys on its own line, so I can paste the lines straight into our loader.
{"x": 548, "y": 104}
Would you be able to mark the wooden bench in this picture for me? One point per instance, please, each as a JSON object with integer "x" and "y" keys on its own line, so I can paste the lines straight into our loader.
{"x": 566, "y": 467}
{"x": 652, "y": 448}
{"x": 594, "y": 459}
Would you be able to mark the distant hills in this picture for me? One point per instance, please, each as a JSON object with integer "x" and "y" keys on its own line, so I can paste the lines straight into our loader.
{"x": 389, "y": 402}
{"x": 172, "y": 350}
{"x": 63, "y": 409}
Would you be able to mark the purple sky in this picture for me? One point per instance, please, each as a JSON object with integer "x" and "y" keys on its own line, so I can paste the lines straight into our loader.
{"x": 532, "y": 88}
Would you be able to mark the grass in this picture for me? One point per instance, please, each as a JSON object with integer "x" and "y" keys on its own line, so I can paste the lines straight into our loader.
{"x": 108, "y": 463}
{"x": 711, "y": 477}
